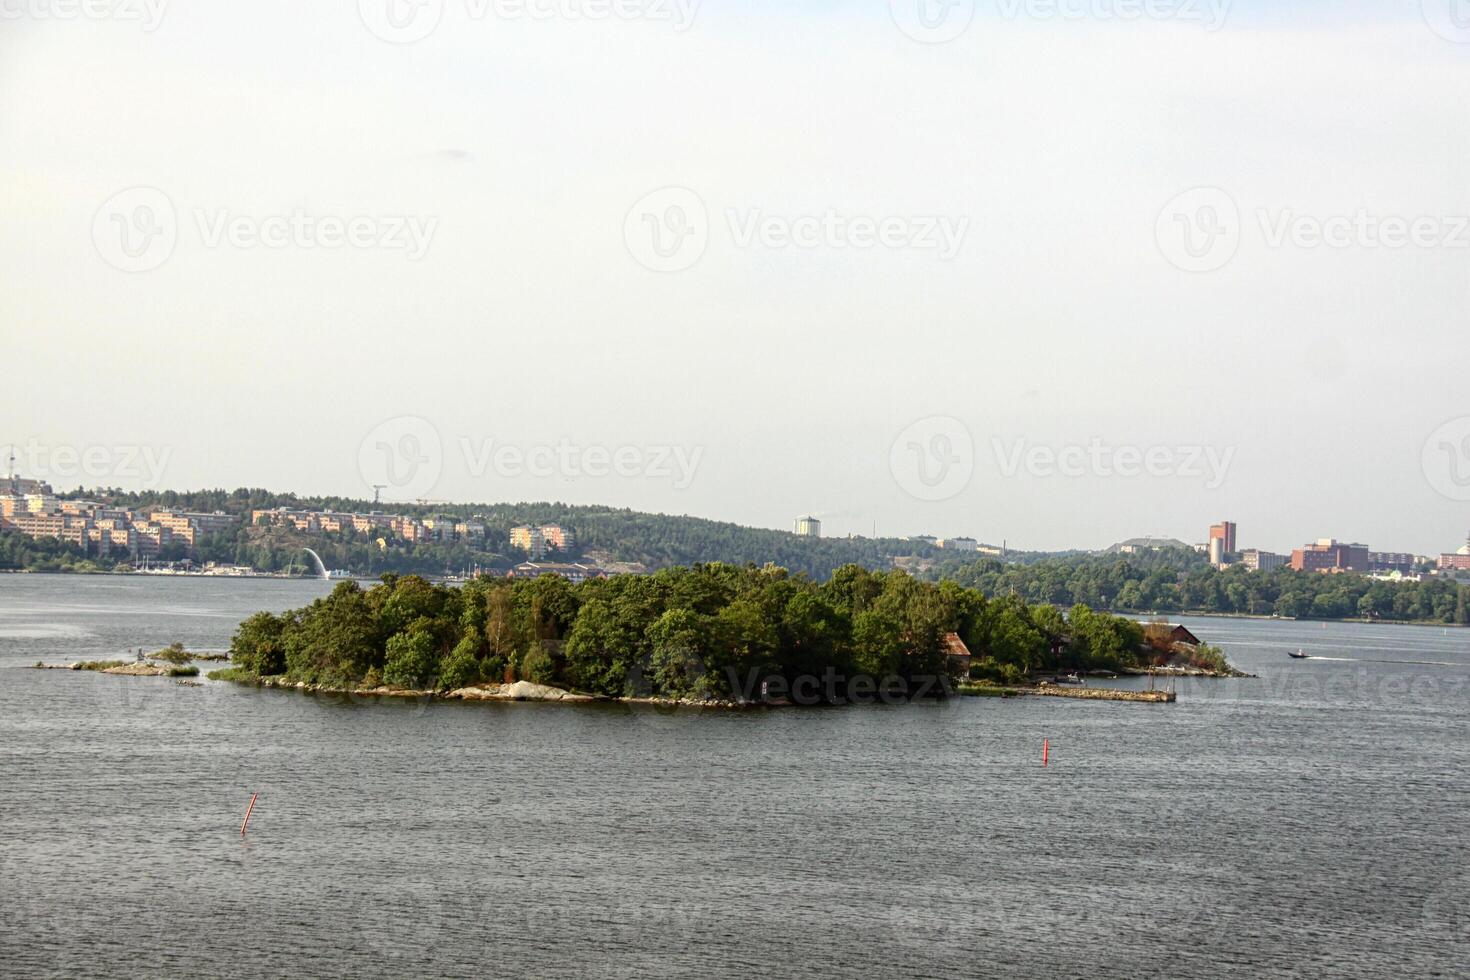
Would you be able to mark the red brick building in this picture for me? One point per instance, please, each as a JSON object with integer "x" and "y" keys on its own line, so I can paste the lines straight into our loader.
{"x": 1329, "y": 555}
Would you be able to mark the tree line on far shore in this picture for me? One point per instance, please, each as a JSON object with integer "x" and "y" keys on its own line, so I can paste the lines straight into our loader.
{"x": 1179, "y": 581}
{"x": 680, "y": 633}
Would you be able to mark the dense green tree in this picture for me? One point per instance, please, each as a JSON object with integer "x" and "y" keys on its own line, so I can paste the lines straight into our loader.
{"x": 336, "y": 640}
{"x": 678, "y": 640}
{"x": 411, "y": 661}
{"x": 878, "y": 644}
{"x": 258, "y": 646}
{"x": 463, "y": 667}
{"x": 537, "y": 666}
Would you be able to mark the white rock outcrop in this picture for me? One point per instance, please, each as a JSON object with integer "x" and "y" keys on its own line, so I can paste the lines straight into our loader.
{"x": 519, "y": 691}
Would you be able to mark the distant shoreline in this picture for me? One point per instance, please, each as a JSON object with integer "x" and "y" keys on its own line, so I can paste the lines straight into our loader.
{"x": 266, "y": 576}
{"x": 1256, "y": 617}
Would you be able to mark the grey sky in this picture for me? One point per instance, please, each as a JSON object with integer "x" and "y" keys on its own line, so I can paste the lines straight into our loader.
{"x": 887, "y": 234}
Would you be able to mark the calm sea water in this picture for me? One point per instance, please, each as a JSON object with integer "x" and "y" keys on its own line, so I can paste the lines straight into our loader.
{"x": 1312, "y": 821}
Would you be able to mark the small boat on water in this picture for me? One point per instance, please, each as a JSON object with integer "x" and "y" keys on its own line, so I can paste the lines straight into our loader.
{"x": 1299, "y": 655}
{"x": 1053, "y": 679}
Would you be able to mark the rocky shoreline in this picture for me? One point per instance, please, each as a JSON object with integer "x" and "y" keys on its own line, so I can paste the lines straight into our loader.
{"x": 139, "y": 669}
{"x": 1184, "y": 672}
{"x": 517, "y": 691}
{"x": 526, "y": 691}
{"x": 1060, "y": 691}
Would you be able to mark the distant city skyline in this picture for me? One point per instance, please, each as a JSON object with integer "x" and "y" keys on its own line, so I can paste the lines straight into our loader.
{"x": 812, "y": 525}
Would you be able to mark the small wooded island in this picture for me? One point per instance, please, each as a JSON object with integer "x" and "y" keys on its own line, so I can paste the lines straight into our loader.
{"x": 707, "y": 634}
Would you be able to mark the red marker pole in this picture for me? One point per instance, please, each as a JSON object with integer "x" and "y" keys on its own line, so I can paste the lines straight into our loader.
{"x": 1045, "y": 752}
{"x": 248, "y": 811}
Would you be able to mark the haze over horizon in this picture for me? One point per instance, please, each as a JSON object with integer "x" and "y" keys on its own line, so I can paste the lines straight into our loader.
{"x": 1049, "y": 280}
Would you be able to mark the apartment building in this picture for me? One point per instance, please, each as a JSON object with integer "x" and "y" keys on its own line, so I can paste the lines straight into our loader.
{"x": 536, "y": 541}
{"x": 103, "y": 530}
{"x": 559, "y": 537}
{"x": 1263, "y": 561}
{"x": 1391, "y": 561}
{"x": 435, "y": 528}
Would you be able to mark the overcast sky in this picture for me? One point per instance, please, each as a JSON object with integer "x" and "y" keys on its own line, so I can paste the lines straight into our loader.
{"x": 1053, "y": 280}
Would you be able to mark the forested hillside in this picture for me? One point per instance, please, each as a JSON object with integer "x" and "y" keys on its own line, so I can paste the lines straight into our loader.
{"x": 655, "y": 540}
